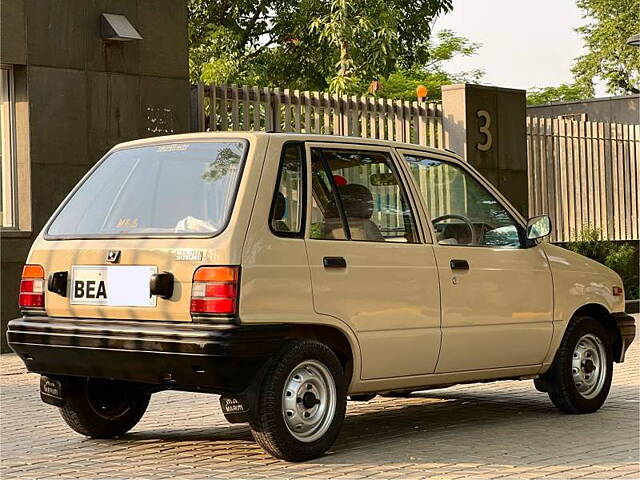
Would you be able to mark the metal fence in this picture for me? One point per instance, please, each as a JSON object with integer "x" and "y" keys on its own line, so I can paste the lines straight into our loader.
{"x": 585, "y": 174}
{"x": 232, "y": 107}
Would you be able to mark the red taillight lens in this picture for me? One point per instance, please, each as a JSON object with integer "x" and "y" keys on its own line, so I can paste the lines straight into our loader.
{"x": 32, "y": 287}
{"x": 215, "y": 291}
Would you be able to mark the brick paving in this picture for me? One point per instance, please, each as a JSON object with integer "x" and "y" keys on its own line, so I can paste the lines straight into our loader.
{"x": 484, "y": 431}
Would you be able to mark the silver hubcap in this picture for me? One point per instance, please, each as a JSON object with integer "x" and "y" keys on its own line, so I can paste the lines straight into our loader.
{"x": 309, "y": 401}
{"x": 589, "y": 366}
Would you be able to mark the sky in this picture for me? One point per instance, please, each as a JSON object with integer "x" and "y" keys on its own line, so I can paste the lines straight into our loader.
{"x": 524, "y": 43}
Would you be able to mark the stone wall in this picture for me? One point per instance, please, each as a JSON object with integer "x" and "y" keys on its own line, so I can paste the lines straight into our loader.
{"x": 78, "y": 95}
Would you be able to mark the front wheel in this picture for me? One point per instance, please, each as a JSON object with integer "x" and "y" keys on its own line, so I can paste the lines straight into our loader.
{"x": 101, "y": 408}
{"x": 302, "y": 402}
{"x": 580, "y": 377}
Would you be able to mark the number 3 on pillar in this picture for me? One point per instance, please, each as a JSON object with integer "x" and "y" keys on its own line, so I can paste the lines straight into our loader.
{"x": 484, "y": 129}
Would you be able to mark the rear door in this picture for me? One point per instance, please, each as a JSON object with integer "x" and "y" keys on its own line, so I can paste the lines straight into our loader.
{"x": 144, "y": 210}
{"x": 370, "y": 265}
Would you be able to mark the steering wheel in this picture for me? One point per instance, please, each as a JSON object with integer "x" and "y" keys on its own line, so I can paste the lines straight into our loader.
{"x": 464, "y": 219}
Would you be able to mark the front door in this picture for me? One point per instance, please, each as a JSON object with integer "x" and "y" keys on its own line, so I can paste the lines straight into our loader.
{"x": 497, "y": 297}
{"x": 370, "y": 267}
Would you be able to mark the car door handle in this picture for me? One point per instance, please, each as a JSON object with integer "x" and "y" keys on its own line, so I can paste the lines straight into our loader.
{"x": 459, "y": 265}
{"x": 334, "y": 262}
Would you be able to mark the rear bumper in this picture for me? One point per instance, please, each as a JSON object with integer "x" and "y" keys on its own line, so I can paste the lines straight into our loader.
{"x": 189, "y": 356}
{"x": 627, "y": 328}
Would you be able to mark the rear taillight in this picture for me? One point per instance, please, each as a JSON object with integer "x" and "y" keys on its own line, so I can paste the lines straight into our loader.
{"x": 215, "y": 291}
{"x": 32, "y": 288}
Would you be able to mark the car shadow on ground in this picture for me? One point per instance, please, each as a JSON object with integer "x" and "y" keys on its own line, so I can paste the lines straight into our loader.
{"x": 442, "y": 426}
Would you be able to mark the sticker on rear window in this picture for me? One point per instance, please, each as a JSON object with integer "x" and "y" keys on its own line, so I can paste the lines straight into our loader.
{"x": 174, "y": 147}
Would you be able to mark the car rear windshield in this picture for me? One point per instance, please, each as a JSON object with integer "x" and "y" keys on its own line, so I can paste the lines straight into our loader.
{"x": 168, "y": 189}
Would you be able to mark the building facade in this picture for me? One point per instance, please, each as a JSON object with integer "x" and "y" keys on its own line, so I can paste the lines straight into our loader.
{"x": 69, "y": 95}
{"x": 622, "y": 109}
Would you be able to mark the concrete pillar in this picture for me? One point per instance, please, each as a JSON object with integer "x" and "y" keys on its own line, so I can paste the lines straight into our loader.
{"x": 486, "y": 126}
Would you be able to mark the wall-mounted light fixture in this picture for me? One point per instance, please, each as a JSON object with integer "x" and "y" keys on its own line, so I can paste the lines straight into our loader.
{"x": 117, "y": 28}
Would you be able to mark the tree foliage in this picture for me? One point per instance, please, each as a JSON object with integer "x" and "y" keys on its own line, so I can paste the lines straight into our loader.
{"x": 561, "y": 93}
{"x": 432, "y": 74}
{"x": 605, "y": 37}
{"x": 308, "y": 44}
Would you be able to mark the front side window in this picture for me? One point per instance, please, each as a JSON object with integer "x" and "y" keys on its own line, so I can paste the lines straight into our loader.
{"x": 357, "y": 195}
{"x": 462, "y": 210}
{"x": 169, "y": 189}
{"x": 286, "y": 211}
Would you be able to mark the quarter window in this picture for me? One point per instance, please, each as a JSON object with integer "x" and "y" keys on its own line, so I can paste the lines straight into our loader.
{"x": 358, "y": 196}
{"x": 286, "y": 210}
{"x": 462, "y": 210}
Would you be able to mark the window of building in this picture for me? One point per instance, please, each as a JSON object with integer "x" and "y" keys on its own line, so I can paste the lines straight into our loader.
{"x": 286, "y": 211}
{"x": 8, "y": 194}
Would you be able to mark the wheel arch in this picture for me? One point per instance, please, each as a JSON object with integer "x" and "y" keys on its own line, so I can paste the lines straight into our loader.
{"x": 333, "y": 338}
{"x": 602, "y": 315}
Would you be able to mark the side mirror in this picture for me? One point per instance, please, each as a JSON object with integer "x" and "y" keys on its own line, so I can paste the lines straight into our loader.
{"x": 538, "y": 227}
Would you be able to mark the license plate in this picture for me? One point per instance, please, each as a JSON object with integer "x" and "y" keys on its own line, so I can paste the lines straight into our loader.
{"x": 113, "y": 286}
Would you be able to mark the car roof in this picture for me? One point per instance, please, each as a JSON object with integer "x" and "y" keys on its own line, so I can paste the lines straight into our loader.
{"x": 249, "y": 135}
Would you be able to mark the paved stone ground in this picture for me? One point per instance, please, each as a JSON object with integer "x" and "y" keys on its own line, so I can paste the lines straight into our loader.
{"x": 495, "y": 430}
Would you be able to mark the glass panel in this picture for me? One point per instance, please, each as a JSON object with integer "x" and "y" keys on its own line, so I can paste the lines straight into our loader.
{"x": 162, "y": 189}
{"x": 287, "y": 208}
{"x": 326, "y": 223}
{"x": 462, "y": 210}
{"x": 371, "y": 195}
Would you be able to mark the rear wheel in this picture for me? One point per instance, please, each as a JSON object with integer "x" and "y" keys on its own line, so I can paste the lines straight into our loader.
{"x": 302, "y": 402}
{"x": 580, "y": 378}
{"x": 102, "y": 408}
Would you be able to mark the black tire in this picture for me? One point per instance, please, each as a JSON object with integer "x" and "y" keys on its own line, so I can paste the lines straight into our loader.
{"x": 101, "y": 408}
{"x": 269, "y": 427}
{"x": 559, "y": 382}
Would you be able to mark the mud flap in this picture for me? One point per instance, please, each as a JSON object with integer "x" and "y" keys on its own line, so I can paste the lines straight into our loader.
{"x": 51, "y": 391}
{"x": 236, "y": 408}
{"x": 241, "y": 407}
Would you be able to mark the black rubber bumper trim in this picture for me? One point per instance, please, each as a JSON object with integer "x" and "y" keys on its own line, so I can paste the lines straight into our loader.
{"x": 188, "y": 356}
{"x": 627, "y": 328}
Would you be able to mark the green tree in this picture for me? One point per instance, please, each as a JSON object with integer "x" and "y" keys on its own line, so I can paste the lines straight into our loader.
{"x": 608, "y": 56}
{"x": 308, "y": 44}
{"x": 433, "y": 73}
{"x": 561, "y": 93}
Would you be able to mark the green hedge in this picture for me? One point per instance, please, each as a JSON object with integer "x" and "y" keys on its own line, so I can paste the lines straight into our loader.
{"x": 621, "y": 257}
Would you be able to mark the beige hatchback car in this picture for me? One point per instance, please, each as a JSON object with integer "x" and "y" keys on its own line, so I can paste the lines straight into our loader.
{"x": 288, "y": 272}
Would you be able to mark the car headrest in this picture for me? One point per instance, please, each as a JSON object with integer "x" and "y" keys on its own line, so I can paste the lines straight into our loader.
{"x": 356, "y": 200}
{"x": 279, "y": 206}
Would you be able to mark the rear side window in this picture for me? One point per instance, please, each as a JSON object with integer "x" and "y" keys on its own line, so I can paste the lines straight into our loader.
{"x": 357, "y": 195}
{"x": 171, "y": 189}
{"x": 286, "y": 210}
